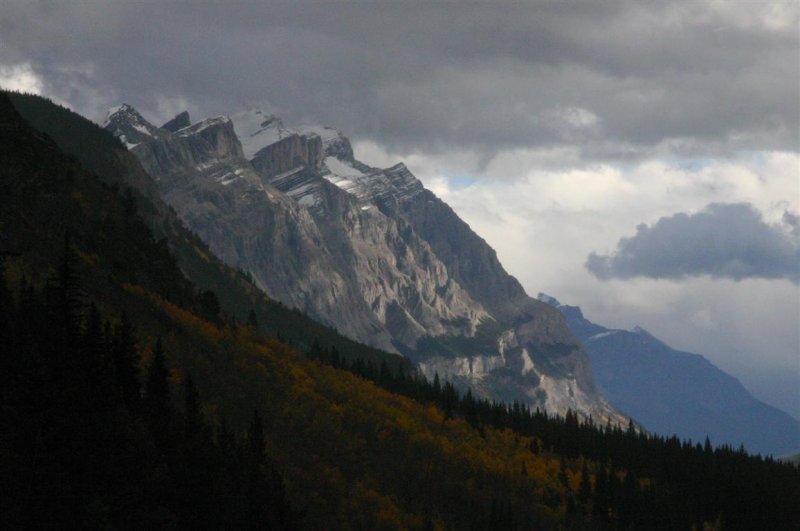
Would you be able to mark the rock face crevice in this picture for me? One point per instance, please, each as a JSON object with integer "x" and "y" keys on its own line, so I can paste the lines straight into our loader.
{"x": 367, "y": 250}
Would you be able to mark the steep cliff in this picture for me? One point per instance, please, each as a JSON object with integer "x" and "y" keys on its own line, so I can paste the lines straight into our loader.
{"x": 367, "y": 250}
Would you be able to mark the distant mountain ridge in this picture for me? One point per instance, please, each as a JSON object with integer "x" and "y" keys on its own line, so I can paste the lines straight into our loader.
{"x": 369, "y": 251}
{"x": 674, "y": 392}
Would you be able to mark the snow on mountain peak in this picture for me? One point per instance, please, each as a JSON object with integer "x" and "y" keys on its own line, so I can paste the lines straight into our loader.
{"x": 257, "y": 129}
{"x": 129, "y": 126}
{"x": 202, "y": 125}
{"x": 120, "y": 111}
{"x": 326, "y": 133}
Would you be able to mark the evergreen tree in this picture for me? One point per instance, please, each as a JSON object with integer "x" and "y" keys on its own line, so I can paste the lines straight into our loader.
{"x": 209, "y": 305}
{"x": 585, "y": 488}
{"x": 126, "y": 362}
{"x": 601, "y": 496}
{"x": 156, "y": 396}
{"x": 252, "y": 321}
{"x": 315, "y": 352}
{"x": 191, "y": 408}
{"x": 68, "y": 301}
{"x": 255, "y": 439}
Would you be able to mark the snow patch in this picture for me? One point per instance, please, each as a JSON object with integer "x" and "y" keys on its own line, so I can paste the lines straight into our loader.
{"x": 257, "y": 129}
{"x": 142, "y": 129}
{"x": 603, "y": 334}
{"x": 342, "y": 169}
{"x": 327, "y": 134}
{"x": 112, "y": 111}
{"x": 202, "y": 126}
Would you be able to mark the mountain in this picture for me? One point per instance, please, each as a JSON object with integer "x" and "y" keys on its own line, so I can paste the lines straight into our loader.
{"x": 368, "y": 251}
{"x": 173, "y": 442}
{"x": 75, "y": 455}
{"x": 674, "y": 392}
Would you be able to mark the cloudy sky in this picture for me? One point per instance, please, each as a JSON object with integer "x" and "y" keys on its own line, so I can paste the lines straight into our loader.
{"x": 639, "y": 159}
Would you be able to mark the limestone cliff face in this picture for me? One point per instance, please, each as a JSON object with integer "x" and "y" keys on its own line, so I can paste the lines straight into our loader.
{"x": 289, "y": 153}
{"x": 367, "y": 250}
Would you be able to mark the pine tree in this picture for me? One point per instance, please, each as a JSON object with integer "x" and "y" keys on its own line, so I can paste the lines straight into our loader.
{"x": 315, "y": 352}
{"x": 336, "y": 360}
{"x": 191, "y": 408}
{"x": 209, "y": 305}
{"x": 255, "y": 439}
{"x": 126, "y": 362}
{"x": 585, "y": 488}
{"x": 252, "y": 321}
{"x": 256, "y": 490}
{"x": 95, "y": 362}
{"x": 601, "y": 496}
{"x": 156, "y": 393}
{"x": 70, "y": 295}
{"x": 7, "y": 311}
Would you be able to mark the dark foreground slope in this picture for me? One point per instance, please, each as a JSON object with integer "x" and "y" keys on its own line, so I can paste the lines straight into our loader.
{"x": 674, "y": 392}
{"x": 80, "y": 450}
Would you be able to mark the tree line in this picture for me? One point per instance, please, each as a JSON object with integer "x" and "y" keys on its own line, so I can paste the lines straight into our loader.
{"x": 628, "y": 478}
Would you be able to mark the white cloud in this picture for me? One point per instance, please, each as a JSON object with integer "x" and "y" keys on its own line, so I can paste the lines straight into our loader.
{"x": 20, "y": 77}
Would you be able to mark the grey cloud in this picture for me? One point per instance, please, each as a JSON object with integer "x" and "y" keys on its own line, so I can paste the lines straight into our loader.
{"x": 723, "y": 240}
{"x": 433, "y": 76}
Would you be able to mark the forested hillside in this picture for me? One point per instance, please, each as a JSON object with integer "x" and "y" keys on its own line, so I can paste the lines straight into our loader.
{"x": 133, "y": 399}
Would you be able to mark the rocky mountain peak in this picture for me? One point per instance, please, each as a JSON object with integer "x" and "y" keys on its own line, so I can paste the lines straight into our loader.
{"x": 178, "y": 122}
{"x": 129, "y": 126}
{"x": 166, "y": 154}
{"x": 369, "y": 251}
{"x": 334, "y": 142}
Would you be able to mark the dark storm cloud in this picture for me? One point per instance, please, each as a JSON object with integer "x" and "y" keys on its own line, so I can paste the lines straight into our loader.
{"x": 723, "y": 240}
{"x": 619, "y": 79}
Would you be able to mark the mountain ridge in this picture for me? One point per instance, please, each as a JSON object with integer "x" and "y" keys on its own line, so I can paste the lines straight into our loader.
{"x": 369, "y": 251}
{"x": 673, "y": 392}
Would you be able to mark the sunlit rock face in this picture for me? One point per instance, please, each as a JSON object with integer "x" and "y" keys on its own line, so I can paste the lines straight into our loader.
{"x": 369, "y": 251}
